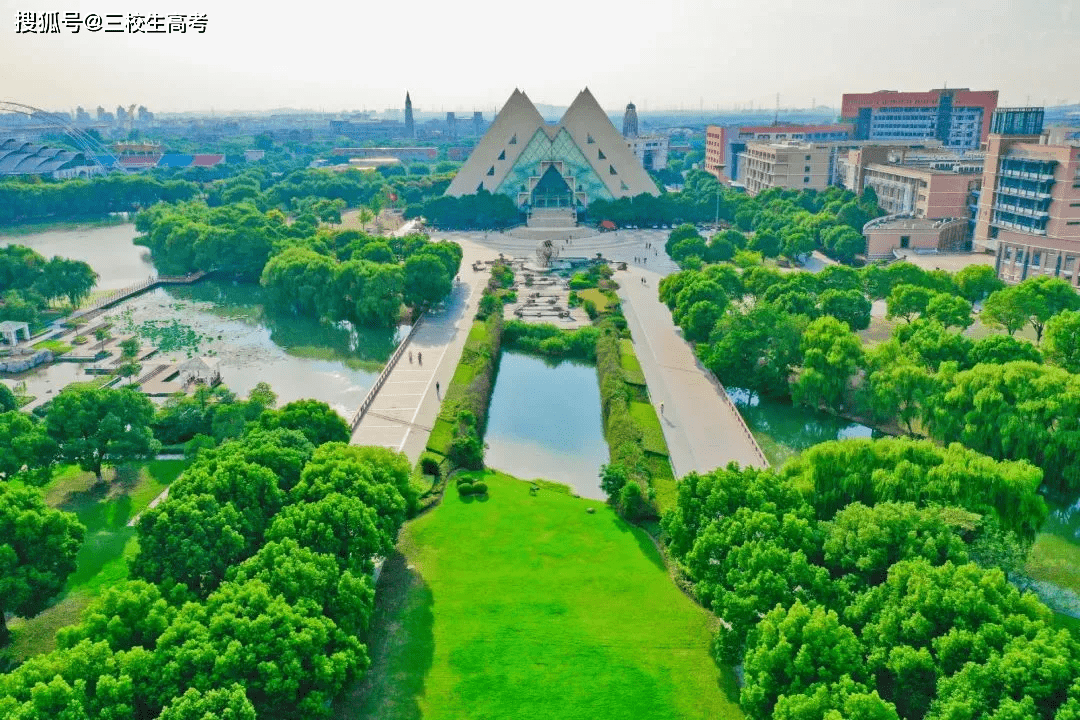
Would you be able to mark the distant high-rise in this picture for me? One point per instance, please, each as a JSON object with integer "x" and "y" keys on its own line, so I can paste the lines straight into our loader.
{"x": 478, "y": 122}
{"x": 451, "y": 125}
{"x": 409, "y": 128}
{"x": 629, "y": 121}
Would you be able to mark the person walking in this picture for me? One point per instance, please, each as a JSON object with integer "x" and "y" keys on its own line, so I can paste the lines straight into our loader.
{"x": 661, "y": 408}
{"x": 410, "y": 357}
{"x": 436, "y": 388}
{"x": 420, "y": 358}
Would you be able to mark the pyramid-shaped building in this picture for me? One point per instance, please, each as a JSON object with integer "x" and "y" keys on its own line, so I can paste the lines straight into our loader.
{"x": 569, "y": 164}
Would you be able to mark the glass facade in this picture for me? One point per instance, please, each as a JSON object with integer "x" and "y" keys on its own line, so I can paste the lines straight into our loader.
{"x": 562, "y": 153}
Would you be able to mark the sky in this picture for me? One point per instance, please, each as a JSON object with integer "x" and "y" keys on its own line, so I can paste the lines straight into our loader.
{"x": 465, "y": 55}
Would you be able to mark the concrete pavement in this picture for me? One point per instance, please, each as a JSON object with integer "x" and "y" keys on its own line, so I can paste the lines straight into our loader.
{"x": 405, "y": 409}
{"x": 702, "y": 428}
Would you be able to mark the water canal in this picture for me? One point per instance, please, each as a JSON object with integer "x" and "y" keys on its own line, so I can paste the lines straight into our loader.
{"x": 545, "y": 422}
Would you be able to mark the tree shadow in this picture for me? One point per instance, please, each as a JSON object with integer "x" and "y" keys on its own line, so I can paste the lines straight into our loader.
{"x": 401, "y": 645}
{"x": 644, "y": 541}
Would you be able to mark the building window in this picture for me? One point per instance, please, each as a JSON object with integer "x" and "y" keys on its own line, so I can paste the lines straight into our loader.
{"x": 491, "y": 170}
{"x": 502, "y": 155}
{"x": 807, "y": 157}
{"x": 611, "y": 170}
{"x": 1036, "y": 258}
{"x": 1069, "y": 263}
{"x": 513, "y": 140}
{"x": 1008, "y": 254}
{"x": 806, "y": 179}
{"x": 1073, "y": 222}
{"x": 588, "y": 139}
{"x": 905, "y": 241}
{"x": 806, "y": 169}
{"x": 600, "y": 154}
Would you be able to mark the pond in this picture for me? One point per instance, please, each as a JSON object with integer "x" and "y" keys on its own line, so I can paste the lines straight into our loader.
{"x": 783, "y": 430}
{"x": 545, "y": 422}
{"x": 298, "y": 357}
{"x": 109, "y": 250}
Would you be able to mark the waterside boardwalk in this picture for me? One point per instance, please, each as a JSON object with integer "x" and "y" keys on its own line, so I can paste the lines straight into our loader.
{"x": 150, "y": 283}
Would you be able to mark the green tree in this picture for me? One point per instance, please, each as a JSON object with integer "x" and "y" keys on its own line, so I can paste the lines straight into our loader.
{"x": 1045, "y": 297}
{"x": 795, "y": 650}
{"x": 848, "y": 306}
{"x": 1005, "y": 309}
{"x": 229, "y": 703}
{"x": 190, "y": 541}
{"x": 316, "y": 420}
{"x": 755, "y": 349}
{"x": 29, "y": 452}
{"x": 342, "y": 527}
{"x": 300, "y": 575}
{"x": 1063, "y": 340}
{"x": 976, "y": 282}
{"x": 907, "y": 301}
{"x": 8, "y": 401}
{"x": 898, "y": 391}
{"x": 130, "y": 614}
{"x": 949, "y": 310}
{"x": 303, "y": 659}
{"x": 94, "y": 426}
{"x": 1000, "y": 349}
{"x": 37, "y": 552}
{"x": 831, "y": 354}
{"x": 844, "y": 243}
{"x": 862, "y": 543}
{"x": 766, "y": 242}
{"x": 426, "y": 280}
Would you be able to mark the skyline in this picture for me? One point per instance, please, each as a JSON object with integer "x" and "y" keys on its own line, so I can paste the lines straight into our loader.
{"x": 456, "y": 58}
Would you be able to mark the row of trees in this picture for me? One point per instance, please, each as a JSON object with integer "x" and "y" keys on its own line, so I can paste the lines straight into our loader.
{"x": 260, "y": 557}
{"x": 793, "y": 335}
{"x": 35, "y": 199}
{"x": 868, "y": 579}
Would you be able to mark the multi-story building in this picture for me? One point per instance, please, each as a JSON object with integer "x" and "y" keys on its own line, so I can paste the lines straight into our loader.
{"x": 795, "y": 166}
{"x": 716, "y": 149}
{"x": 1029, "y": 207}
{"x": 892, "y": 232}
{"x": 723, "y": 146}
{"x": 959, "y": 118}
{"x": 916, "y": 182}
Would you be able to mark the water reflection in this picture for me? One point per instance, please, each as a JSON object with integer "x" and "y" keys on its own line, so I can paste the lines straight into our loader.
{"x": 545, "y": 422}
{"x": 109, "y": 250}
{"x": 784, "y": 430}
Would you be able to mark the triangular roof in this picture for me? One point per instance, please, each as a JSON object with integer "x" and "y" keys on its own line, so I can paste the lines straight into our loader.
{"x": 588, "y": 126}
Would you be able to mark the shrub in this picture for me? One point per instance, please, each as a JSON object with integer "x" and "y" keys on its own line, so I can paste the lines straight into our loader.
{"x": 429, "y": 465}
{"x": 464, "y": 487}
{"x": 479, "y": 487}
{"x": 590, "y": 309}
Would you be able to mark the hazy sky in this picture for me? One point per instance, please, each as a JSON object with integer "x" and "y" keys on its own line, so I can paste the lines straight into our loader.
{"x": 470, "y": 54}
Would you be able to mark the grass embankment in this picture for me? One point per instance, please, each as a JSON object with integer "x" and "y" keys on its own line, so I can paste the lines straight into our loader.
{"x": 1056, "y": 560}
{"x": 105, "y": 510}
{"x": 526, "y": 606}
{"x": 31, "y": 228}
{"x": 470, "y": 387}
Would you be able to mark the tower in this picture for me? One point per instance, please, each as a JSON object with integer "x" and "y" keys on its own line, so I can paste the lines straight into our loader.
{"x": 410, "y": 131}
{"x": 629, "y": 121}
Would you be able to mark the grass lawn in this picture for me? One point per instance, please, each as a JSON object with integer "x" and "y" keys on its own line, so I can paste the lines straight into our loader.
{"x": 57, "y": 347}
{"x": 599, "y": 297}
{"x": 644, "y": 416}
{"x": 1055, "y": 559}
{"x": 663, "y": 482}
{"x": 521, "y": 606}
{"x": 630, "y": 363}
{"x": 108, "y": 544}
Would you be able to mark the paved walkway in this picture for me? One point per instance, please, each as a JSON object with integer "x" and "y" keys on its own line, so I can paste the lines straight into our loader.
{"x": 405, "y": 408}
{"x": 702, "y": 428}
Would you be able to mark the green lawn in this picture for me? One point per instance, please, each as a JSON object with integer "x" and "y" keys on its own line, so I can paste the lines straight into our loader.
{"x": 601, "y": 299}
{"x": 57, "y": 347}
{"x": 644, "y": 416}
{"x": 108, "y": 544}
{"x": 522, "y": 606}
{"x": 1055, "y": 559}
{"x": 630, "y": 363}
